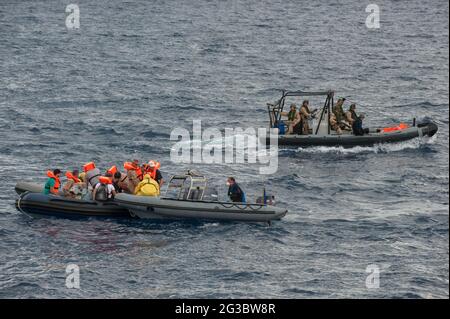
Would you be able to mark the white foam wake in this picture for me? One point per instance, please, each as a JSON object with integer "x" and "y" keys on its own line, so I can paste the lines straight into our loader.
{"x": 378, "y": 148}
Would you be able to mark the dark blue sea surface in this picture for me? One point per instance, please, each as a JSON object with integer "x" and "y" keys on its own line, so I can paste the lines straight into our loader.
{"x": 114, "y": 89}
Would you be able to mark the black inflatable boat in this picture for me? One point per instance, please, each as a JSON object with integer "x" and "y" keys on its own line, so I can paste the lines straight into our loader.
{"x": 322, "y": 134}
{"x": 33, "y": 202}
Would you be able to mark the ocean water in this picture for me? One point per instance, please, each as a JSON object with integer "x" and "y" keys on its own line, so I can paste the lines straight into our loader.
{"x": 114, "y": 89}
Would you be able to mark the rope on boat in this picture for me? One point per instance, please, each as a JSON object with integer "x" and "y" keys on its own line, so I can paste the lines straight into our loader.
{"x": 239, "y": 206}
{"x": 18, "y": 204}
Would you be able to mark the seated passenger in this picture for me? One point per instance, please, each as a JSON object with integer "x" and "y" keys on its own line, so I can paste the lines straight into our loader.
{"x": 305, "y": 115}
{"x": 104, "y": 190}
{"x": 357, "y": 126}
{"x": 334, "y": 124}
{"x": 82, "y": 177}
{"x": 152, "y": 168}
{"x": 53, "y": 183}
{"x": 291, "y": 114}
{"x": 147, "y": 187}
{"x": 72, "y": 188}
{"x": 134, "y": 173}
{"x": 350, "y": 115}
{"x": 121, "y": 183}
{"x": 92, "y": 175}
{"x": 293, "y": 118}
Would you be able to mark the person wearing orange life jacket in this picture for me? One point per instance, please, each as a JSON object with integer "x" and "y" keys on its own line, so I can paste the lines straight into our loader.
{"x": 72, "y": 187}
{"x": 104, "y": 190}
{"x": 120, "y": 181}
{"x": 53, "y": 183}
{"x": 139, "y": 169}
{"x": 92, "y": 175}
{"x": 134, "y": 174}
{"x": 152, "y": 168}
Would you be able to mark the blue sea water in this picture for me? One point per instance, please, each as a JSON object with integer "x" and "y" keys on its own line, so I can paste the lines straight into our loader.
{"x": 114, "y": 89}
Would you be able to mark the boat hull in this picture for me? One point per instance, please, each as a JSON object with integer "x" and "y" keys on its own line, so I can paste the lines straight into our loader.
{"x": 157, "y": 208}
{"x": 51, "y": 205}
{"x": 349, "y": 140}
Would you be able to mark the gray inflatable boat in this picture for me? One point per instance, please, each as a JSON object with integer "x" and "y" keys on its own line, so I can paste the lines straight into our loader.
{"x": 185, "y": 199}
{"x": 322, "y": 135}
{"x": 22, "y": 187}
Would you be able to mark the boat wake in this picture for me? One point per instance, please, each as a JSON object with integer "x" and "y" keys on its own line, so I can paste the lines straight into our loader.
{"x": 416, "y": 143}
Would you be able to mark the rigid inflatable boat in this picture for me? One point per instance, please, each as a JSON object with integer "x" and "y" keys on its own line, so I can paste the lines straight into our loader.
{"x": 323, "y": 135}
{"x": 33, "y": 201}
{"x": 186, "y": 199}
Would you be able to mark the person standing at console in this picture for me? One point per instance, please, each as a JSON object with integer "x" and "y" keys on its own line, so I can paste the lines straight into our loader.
{"x": 234, "y": 191}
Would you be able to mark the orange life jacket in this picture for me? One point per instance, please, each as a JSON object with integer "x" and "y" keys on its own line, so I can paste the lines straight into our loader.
{"x": 152, "y": 170}
{"x": 112, "y": 170}
{"x": 57, "y": 182}
{"x": 69, "y": 175}
{"x": 88, "y": 166}
{"x": 399, "y": 127}
{"x": 105, "y": 180}
{"x": 129, "y": 166}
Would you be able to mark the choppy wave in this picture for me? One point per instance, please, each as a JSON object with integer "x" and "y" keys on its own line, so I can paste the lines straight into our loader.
{"x": 112, "y": 92}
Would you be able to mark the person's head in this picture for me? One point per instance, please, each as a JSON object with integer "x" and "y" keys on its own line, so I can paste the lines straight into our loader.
{"x": 293, "y": 107}
{"x": 341, "y": 101}
{"x": 75, "y": 172}
{"x": 151, "y": 164}
{"x": 56, "y": 172}
{"x": 109, "y": 175}
{"x": 117, "y": 176}
{"x": 353, "y": 107}
{"x": 305, "y": 103}
{"x": 362, "y": 116}
{"x": 231, "y": 180}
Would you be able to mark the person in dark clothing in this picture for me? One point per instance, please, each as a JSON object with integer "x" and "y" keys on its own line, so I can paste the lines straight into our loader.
{"x": 357, "y": 126}
{"x": 234, "y": 191}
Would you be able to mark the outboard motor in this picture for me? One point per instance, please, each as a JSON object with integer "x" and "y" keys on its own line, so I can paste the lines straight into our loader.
{"x": 270, "y": 200}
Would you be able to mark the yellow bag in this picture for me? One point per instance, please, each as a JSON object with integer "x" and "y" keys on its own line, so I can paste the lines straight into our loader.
{"x": 148, "y": 187}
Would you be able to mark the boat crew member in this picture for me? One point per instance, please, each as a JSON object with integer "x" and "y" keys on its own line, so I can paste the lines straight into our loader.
{"x": 234, "y": 191}
{"x": 152, "y": 168}
{"x": 334, "y": 124}
{"x": 53, "y": 183}
{"x": 104, "y": 190}
{"x": 147, "y": 187}
{"x": 293, "y": 118}
{"x": 357, "y": 126}
{"x": 351, "y": 115}
{"x": 338, "y": 110}
{"x": 292, "y": 113}
{"x": 305, "y": 115}
{"x": 72, "y": 187}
